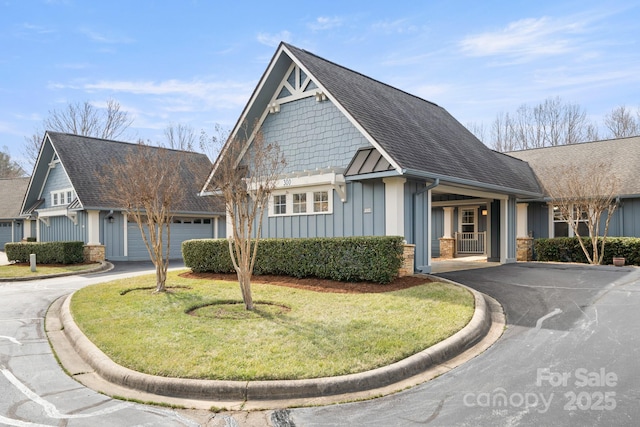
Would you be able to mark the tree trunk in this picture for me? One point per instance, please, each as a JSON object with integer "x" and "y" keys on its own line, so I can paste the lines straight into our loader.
{"x": 245, "y": 286}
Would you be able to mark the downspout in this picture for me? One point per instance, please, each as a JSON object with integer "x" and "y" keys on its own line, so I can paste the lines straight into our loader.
{"x": 434, "y": 184}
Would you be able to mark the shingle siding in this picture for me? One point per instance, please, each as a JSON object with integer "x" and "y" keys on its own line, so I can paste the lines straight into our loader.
{"x": 313, "y": 135}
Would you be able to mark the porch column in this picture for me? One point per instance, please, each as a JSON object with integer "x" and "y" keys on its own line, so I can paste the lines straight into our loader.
{"x": 394, "y": 206}
{"x": 507, "y": 231}
{"x": 215, "y": 227}
{"x": 93, "y": 227}
{"x": 524, "y": 242}
{"x": 125, "y": 234}
{"x": 523, "y": 226}
{"x": 26, "y": 229}
{"x": 447, "y": 241}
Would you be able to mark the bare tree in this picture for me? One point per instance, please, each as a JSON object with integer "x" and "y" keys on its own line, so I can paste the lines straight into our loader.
{"x": 583, "y": 193}
{"x": 8, "y": 167}
{"x": 179, "y": 137}
{"x": 245, "y": 175}
{"x": 211, "y": 144}
{"x": 80, "y": 119}
{"x": 621, "y": 123}
{"x": 478, "y": 130}
{"x": 150, "y": 184}
{"x": 552, "y": 122}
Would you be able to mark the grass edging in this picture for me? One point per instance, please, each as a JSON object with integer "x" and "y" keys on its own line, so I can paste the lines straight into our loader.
{"x": 102, "y": 267}
{"x": 226, "y": 390}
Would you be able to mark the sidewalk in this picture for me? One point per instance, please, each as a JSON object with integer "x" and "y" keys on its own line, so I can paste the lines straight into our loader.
{"x": 3, "y": 258}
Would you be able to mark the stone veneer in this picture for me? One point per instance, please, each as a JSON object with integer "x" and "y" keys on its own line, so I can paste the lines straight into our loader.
{"x": 408, "y": 260}
{"x": 447, "y": 247}
{"x": 524, "y": 249}
{"x": 93, "y": 253}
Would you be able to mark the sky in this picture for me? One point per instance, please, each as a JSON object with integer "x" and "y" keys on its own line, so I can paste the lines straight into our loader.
{"x": 196, "y": 63}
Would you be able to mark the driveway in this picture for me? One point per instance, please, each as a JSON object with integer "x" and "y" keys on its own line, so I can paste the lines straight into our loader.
{"x": 568, "y": 357}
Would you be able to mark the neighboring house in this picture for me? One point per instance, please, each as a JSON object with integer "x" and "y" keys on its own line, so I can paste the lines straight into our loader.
{"x": 624, "y": 157}
{"x": 65, "y": 200}
{"x": 12, "y": 191}
{"x": 365, "y": 158}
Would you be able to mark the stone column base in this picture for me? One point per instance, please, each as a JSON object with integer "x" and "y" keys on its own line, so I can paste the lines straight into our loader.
{"x": 524, "y": 248}
{"x": 93, "y": 253}
{"x": 447, "y": 247}
{"x": 408, "y": 260}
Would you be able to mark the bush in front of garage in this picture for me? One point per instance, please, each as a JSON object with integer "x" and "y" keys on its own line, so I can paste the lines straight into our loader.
{"x": 46, "y": 252}
{"x": 567, "y": 249}
{"x": 348, "y": 259}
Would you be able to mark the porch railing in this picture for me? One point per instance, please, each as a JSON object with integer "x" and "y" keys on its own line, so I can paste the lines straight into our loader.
{"x": 471, "y": 243}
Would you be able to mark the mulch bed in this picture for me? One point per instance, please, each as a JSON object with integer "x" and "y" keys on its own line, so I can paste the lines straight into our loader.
{"x": 319, "y": 285}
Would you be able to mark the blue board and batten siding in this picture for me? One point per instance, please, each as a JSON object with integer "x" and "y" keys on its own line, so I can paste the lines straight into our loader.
{"x": 363, "y": 214}
{"x": 62, "y": 228}
{"x": 625, "y": 221}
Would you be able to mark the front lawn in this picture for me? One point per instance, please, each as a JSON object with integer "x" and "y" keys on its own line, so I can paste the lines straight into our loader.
{"x": 293, "y": 333}
{"x": 12, "y": 271}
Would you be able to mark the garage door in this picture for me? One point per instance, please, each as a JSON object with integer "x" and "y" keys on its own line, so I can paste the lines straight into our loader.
{"x": 185, "y": 230}
{"x": 5, "y": 234}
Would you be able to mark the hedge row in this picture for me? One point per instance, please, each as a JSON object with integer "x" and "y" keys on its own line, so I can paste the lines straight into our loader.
{"x": 567, "y": 249}
{"x": 347, "y": 259}
{"x": 46, "y": 252}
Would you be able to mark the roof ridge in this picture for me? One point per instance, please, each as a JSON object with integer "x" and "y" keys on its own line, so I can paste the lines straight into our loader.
{"x": 575, "y": 144}
{"x": 123, "y": 142}
{"x": 361, "y": 74}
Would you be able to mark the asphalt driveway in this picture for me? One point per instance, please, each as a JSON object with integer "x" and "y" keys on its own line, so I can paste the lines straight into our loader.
{"x": 569, "y": 356}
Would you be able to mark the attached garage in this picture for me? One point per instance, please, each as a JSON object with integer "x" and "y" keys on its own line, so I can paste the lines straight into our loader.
{"x": 181, "y": 230}
{"x": 5, "y": 234}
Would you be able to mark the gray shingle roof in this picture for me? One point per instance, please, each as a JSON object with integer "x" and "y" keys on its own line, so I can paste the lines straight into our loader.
{"x": 623, "y": 154}
{"x": 12, "y": 191}
{"x": 84, "y": 159}
{"x": 419, "y": 135}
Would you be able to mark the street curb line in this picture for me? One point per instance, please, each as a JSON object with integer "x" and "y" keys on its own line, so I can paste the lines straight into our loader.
{"x": 104, "y": 266}
{"x": 220, "y": 390}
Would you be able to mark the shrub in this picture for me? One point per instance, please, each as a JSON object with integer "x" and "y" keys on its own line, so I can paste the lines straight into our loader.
{"x": 567, "y": 249}
{"x": 46, "y": 252}
{"x": 347, "y": 259}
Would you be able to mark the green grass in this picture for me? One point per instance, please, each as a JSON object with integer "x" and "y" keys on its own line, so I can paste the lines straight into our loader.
{"x": 298, "y": 334}
{"x": 24, "y": 270}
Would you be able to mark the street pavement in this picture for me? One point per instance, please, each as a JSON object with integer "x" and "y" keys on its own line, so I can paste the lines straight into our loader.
{"x": 568, "y": 357}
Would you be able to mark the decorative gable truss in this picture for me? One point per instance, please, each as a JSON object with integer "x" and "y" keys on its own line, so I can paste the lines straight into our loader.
{"x": 296, "y": 85}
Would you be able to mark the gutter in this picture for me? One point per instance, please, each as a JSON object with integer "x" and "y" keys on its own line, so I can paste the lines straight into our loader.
{"x": 468, "y": 182}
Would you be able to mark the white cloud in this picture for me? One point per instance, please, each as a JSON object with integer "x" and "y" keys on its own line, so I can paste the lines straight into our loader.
{"x": 525, "y": 38}
{"x": 325, "y": 23}
{"x": 399, "y": 26}
{"x": 274, "y": 40}
{"x": 104, "y": 38}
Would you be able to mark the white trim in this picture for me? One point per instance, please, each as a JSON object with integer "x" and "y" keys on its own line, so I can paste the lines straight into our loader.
{"x": 215, "y": 227}
{"x": 57, "y": 211}
{"x": 450, "y": 189}
{"x": 26, "y": 228}
{"x": 522, "y": 220}
{"x": 93, "y": 227}
{"x": 125, "y": 233}
{"x": 475, "y": 217}
{"x": 464, "y": 202}
{"x": 309, "y": 191}
{"x": 394, "y": 206}
{"x": 448, "y": 221}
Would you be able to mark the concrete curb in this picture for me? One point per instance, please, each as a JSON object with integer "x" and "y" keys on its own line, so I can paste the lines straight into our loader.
{"x": 213, "y": 390}
{"x": 104, "y": 266}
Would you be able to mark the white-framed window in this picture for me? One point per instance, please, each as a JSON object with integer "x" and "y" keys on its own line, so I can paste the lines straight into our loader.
{"x": 299, "y": 203}
{"x": 468, "y": 220}
{"x": 61, "y": 197}
{"x": 296, "y": 202}
{"x": 280, "y": 204}
{"x": 320, "y": 201}
{"x": 561, "y": 227}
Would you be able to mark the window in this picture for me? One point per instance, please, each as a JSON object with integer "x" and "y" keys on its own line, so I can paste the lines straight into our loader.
{"x": 468, "y": 220}
{"x": 300, "y": 203}
{"x": 321, "y": 201}
{"x": 61, "y": 198}
{"x": 280, "y": 204}
{"x": 561, "y": 227}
